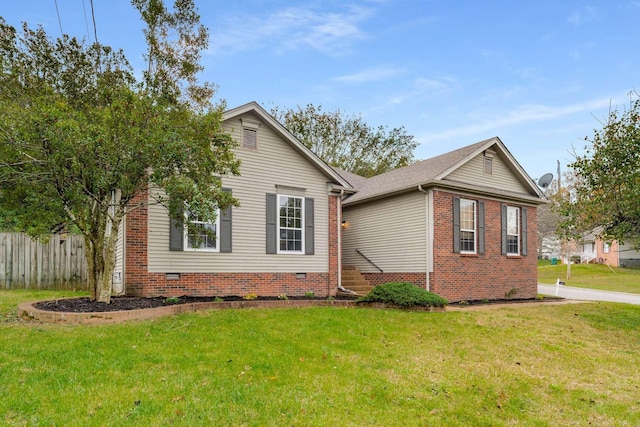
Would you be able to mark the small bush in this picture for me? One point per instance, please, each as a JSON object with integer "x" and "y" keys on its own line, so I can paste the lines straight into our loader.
{"x": 250, "y": 297}
{"x": 403, "y": 294}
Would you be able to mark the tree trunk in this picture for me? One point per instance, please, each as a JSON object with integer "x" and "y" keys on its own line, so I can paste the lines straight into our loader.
{"x": 101, "y": 254}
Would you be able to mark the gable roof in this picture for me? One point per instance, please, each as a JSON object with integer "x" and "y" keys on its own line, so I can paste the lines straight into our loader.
{"x": 269, "y": 120}
{"x": 431, "y": 172}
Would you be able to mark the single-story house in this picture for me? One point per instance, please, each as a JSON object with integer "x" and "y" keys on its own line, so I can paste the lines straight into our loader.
{"x": 457, "y": 224}
{"x": 595, "y": 250}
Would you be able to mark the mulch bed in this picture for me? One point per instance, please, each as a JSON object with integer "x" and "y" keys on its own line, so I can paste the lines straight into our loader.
{"x": 85, "y": 305}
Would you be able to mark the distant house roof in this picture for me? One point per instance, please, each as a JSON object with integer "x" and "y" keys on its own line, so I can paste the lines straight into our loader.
{"x": 431, "y": 172}
{"x": 255, "y": 108}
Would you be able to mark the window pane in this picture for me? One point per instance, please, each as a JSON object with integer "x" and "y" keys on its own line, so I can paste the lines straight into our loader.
{"x": 201, "y": 235}
{"x": 467, "y": 241}
{"x": 512, "y": 244}
{"x": 512, "y": 220}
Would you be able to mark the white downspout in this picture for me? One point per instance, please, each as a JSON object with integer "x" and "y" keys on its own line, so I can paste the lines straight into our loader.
{"x": 340, "y": 242}
{"x": 428, "y": 243}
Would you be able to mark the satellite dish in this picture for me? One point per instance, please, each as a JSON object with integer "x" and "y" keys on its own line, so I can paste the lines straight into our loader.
{"x": 545, "y": 180}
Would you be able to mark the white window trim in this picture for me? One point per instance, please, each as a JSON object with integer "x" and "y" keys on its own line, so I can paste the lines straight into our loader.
{"x": 474, "y": 230}
{"x": 186, "y": 247}
{"x": 518, "y": 225}
{"x": 302, "y": 226}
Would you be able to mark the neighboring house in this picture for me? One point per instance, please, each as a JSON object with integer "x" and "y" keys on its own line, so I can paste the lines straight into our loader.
{"x": 462, "y": 225}
{"x": 282, "y": 239}
{"x": 596, "y": 250}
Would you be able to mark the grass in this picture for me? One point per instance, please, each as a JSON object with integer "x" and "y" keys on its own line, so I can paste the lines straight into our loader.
{"x": 536, "y": 366}
{"x": 594, "y": 276}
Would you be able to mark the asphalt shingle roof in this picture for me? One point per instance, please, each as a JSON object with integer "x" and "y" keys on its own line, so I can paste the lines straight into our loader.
{"x": 419, "y": 173}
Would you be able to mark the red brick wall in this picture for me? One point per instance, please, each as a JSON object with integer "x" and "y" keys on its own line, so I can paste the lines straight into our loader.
{"x": 489, "y": 275}
{"x": 418, "y": 279}
{"x": 139, "y": 282}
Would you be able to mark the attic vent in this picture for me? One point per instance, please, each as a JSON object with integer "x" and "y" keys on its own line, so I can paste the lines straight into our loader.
{"x": 488, "y": 165}
{"x": 249, "y": 138}
{"x": 249, "y": 133}
{"x": 488, "y": 162}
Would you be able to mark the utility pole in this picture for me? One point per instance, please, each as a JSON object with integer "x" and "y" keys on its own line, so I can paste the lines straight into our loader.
{"x": 565, "y": 242}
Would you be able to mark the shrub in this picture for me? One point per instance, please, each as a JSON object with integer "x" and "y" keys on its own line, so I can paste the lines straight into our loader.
{"x": 403, "y": 294}
{"x": 172, "y": 300}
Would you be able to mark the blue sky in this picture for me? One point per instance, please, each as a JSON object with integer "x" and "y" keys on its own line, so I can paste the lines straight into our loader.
{"x": 540, "y": 74}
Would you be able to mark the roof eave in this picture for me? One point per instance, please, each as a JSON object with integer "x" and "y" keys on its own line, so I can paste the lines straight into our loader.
{"x": 450, "y": 185}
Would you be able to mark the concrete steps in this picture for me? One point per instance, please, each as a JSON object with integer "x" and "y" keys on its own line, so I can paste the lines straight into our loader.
{"x": 353, "y": 280}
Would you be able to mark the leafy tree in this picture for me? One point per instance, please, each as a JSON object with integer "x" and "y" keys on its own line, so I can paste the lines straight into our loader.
{"x": 606, "y": 190}
{"x": 347, "y": 141}
{"x": 83, "y": 140}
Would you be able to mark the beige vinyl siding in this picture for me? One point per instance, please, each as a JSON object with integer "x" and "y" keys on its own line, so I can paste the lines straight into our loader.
{"x": 391, "y": 232}
{"x": 627, "y": 251}
{"x": 119, "y": 263}
{"x": 503, "y": 178}
{"x": 274, "y": 163}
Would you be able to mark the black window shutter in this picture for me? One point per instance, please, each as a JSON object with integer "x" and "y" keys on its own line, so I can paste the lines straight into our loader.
{"x": 456, "y": 225}
{"x": 308, "y": 227}
{"x": 504, "y": 229}
{"x": 480, "y": 227}
{"x": 176, "y": 234}
{"x": 272, "y": 223}
{"x": 225, "y": 227}
{"x": 524, "y": 231}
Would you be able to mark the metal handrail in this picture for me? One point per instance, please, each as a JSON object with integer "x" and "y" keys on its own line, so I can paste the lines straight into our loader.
{"x": 367, "y": 258}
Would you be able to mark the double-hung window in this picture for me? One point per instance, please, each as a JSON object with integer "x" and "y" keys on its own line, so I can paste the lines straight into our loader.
{"x": 290, "y": 224}
{"x": 467, "y": 226}
{"x": 513, "y": 230}
{"x": 201, "y": 235}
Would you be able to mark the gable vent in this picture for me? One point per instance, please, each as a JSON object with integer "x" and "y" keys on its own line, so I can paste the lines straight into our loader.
{"x": 249, "y": 133}
{"x": 249, "y": 138}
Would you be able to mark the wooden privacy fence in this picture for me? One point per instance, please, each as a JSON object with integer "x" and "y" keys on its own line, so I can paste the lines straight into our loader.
{"x": 32, "y": 264}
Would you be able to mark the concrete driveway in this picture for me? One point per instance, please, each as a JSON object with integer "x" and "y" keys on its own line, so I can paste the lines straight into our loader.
{"x": 588, "y": 294}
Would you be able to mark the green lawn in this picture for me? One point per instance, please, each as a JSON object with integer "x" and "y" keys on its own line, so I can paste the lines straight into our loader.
{"x": 594, "y": 276}
{"x": 546, "y": 365}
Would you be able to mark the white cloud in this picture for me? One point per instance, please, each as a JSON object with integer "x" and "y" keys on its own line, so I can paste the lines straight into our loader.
{"x": 331, "y": 32}
{"x": 520, "y": 115}
{"x": 584, "y": 15}
{"x": 370, "y": 75}
{"x": 419, "y": 88}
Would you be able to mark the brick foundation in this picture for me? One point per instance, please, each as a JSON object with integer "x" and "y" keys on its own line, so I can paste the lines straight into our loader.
{"x": 225, "y": 284}
{"x": 140, "y": 282}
